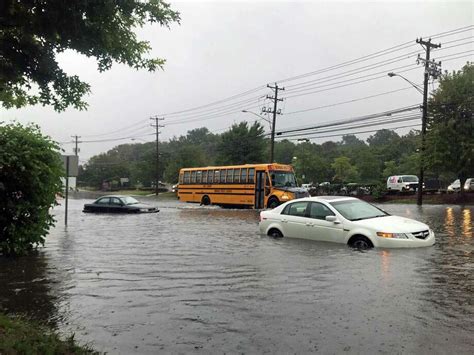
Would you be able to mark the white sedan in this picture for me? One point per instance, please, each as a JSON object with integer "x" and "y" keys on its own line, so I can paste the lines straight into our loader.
{"x": 345, "y": 220}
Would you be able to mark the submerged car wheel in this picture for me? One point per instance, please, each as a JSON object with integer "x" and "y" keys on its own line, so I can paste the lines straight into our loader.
{"x": 360, "y": 242}
{"x": 275, "y": 233}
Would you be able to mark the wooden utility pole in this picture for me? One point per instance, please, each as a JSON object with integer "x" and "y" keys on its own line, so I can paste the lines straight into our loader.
{"x": 431, "y": 69}
{"x": 76, "y": 140}
{"x": 157, "y": 127}
{"x": 275, "y": 112}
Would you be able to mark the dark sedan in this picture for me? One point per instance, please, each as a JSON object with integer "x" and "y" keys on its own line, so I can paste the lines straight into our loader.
{"x": 118, "y": 204}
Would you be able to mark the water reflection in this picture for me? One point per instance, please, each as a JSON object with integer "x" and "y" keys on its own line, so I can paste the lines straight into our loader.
{"x": 385, "y": 258}
{"x": 467, "y": 223}
{"x": 27, "y": 288}
{"x": 449, "y": 222}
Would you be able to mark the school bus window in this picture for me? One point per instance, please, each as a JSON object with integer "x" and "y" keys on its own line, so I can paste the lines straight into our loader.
{"x": 198, "y": 176}
{"x": 222, "y": 176}
{"x": 210, "y": 177}
{"x": 180, "y": 181}
{"x": 236, "y": 175}
{"x": 251, "y": 175}
{"x": 216, "y": 176}
{"x": 243, "y": 176}
{"x": 204, "y": 176}
{"x": 186, "y": 177}
{"x": 229, "y": 178}
{"x": 193, "y": 177}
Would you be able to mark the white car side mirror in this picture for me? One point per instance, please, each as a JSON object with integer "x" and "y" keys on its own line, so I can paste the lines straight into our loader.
{"x": 332, "y": 219}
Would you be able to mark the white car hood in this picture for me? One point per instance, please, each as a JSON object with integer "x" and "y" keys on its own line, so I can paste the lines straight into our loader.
{"x": 392, "y": 224}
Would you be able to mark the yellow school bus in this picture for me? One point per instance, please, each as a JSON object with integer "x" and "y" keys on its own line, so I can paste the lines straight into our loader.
{"x": 250, "y": 185}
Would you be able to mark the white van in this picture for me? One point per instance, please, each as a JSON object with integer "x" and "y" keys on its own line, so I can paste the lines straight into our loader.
{"x": 402, "y": 183}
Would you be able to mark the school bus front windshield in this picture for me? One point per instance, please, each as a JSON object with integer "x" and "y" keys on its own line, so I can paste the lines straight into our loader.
{"x": 283, "y": 179}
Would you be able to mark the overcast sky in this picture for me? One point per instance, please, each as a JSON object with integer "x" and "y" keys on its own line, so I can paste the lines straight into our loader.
{"x": 224, "y": 48}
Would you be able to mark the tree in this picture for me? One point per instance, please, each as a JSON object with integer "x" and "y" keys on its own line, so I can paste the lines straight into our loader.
{"x": 30, "y": 178}
{"x": 284, "y": 151}
{"x": 391, "y": 168}
{"x": 344, "y": 170}
{"x": 32, "y": 33}
{"x": 242, "y": 144}
{"x": 450, "y": 133}
{"x": 186, "y": 156}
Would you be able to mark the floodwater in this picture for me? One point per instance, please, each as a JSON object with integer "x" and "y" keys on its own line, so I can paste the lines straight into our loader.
{"x": 196, "y": 279}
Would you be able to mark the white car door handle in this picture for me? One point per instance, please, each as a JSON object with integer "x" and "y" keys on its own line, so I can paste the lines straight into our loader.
{"x": 309, "y": 224}
{"x": 284, "y": 221}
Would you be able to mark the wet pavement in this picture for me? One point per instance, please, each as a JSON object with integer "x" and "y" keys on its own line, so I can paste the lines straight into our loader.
{"x": 202, "y": 280}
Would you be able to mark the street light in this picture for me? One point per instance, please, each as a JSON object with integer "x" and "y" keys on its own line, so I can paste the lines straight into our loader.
{"x": 408, "y": 81}
{"x": 424, "y": 92}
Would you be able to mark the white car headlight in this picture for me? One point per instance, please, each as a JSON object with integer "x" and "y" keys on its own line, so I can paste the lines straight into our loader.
{"x": 143, "y": 209}
{"x": 392, "y": 235}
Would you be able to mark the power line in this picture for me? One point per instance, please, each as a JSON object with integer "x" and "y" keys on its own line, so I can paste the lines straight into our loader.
{"x": 378, "y": 122}
{"x": 353, "y": 119}
{"x": 348, "y": 101}
{"x": 359, "y": 132}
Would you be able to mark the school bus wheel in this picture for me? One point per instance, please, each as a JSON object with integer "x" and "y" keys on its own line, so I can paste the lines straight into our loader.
{"x": 205, "y": 200}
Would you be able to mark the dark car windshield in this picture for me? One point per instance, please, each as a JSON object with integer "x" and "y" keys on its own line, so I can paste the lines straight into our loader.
{"x": 355, "y": 210}
{"x": 283, "y": 179}
{"x": 129, "y": 200}
{"x": 409, "y": 178}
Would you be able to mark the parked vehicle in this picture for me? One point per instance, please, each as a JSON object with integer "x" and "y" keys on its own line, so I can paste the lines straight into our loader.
{"x": 402, "y": 183}
{"x": 432, "y": 185}
{"x": 456, "y": 186}
{"x": 345, "y": 220}
{"x": 174, "y": 188}
{"x": 118, "y": 204}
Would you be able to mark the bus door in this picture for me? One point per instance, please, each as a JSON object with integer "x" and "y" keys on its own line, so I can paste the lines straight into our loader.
{"x": 260, "y": 189}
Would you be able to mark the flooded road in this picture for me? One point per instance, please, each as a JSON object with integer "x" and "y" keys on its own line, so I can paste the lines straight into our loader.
{"x": 194, "y": 279}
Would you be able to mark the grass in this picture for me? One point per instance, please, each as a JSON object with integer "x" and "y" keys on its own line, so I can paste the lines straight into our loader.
{"x": 21, "y": 336}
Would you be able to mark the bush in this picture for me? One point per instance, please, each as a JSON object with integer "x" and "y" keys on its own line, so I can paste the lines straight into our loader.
{"x": 379, "y": 191}
{"x": 30, "y": 171}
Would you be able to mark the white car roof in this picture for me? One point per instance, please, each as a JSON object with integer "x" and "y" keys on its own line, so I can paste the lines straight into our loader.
{"x": 328, "y": 198}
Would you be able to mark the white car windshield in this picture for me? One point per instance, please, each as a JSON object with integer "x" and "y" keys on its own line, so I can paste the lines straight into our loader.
{"x": 283, "y": 179}
{"x": 129, "y": 200}
{"x": 355, "y": 210}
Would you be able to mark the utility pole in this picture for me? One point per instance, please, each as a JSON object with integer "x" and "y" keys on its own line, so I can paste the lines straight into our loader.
{"x": 157, "y": 126}
{"x": 76, "y": 140}
{"x": 431, "y": 69}
{"x": 275, "y": 112}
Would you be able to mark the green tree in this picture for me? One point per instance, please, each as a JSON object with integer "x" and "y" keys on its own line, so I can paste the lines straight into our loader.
{"x": 450, "y": 134}
{"x": 391, "y": 168}
{"x": 284, "y": 151}
{"x": 242, "y": 144}
{"x": 30, "y": 178}
{"x": 344, "y": 170}
{"x": 187, "y": 156}
{"x": 32, "y": 33}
